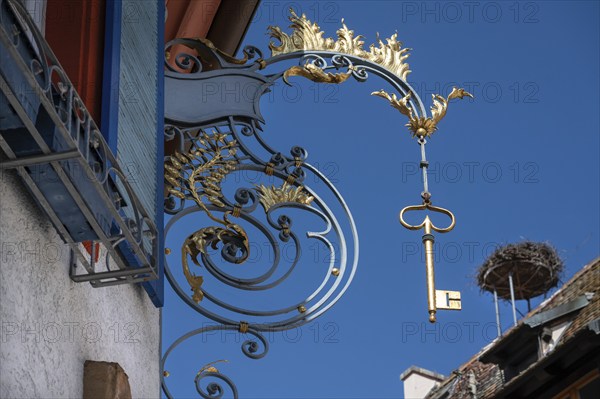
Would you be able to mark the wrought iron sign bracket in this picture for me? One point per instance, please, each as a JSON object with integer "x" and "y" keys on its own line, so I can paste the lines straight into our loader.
{"x": 214, "y": 136}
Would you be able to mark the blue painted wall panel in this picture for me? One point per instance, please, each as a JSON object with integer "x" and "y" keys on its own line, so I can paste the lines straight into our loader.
{"x": 139, "y": 142}
{"x": 137, "y": 147}
{"x": 111, "y": 67}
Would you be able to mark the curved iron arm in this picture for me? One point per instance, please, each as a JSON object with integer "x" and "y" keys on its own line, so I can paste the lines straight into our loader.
{"x": 397, "y": 83}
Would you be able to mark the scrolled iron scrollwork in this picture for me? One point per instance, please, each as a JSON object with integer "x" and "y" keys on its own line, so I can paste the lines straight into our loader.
{"x": 196, "y": 178}
{"x": 213, "y": 390}
{"x": 187, "y": 56}
{"x": 286, "y": 192}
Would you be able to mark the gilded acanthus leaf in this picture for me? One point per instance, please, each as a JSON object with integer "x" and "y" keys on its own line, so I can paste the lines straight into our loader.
{"x": 198, "y": 242}
{"x": 194, "y": 281}
{"x": 400, "y": 104}
{"x": 316, "y": 74}
{"x": 270, "y": 196}
{"x": 458, "y": 93}
{"x": 423, "y": 126}
{"x": 199, "y": 172}
{"x": 308, "y": 36}
{"x": 198, "y": 175}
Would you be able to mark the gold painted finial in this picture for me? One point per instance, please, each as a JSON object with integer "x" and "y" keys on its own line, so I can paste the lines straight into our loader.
{"x": 432, "y": 316}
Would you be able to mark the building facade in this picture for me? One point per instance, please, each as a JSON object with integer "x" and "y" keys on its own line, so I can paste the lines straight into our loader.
{"x": 81, "y": 188}
{"x": 96, "y": 68}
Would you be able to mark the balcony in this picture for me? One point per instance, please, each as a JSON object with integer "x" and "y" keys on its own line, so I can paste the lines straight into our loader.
{"x": 48, "y": 136}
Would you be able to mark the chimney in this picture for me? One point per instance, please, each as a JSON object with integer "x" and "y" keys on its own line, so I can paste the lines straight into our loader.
{"x": 419, "y": 382}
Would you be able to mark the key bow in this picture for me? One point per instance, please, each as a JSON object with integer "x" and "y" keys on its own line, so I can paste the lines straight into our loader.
{"x": 427, "y": 223}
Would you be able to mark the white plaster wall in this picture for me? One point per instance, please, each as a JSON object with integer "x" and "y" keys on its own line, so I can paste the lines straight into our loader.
{"x": 417, "y": 386}
{"x": 50, "y": 325}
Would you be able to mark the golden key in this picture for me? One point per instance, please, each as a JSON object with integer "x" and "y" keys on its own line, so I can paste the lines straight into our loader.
{"x": 436, "y": 299}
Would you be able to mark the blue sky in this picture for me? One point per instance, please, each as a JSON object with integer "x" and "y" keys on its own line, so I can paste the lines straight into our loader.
{"x": 521, "y": 161}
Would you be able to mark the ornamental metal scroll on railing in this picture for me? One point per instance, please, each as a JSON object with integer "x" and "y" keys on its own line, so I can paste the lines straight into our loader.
{"x": 213, "y": 137}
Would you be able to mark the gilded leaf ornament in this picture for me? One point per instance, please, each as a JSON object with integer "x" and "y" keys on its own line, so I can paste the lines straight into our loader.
{"x": 316, "y": 74}
{"x": 270, "y": 196}
{"x": 198, "y": 175}
{"x": 308, "y": 36}
{"x": 423, "y": 125}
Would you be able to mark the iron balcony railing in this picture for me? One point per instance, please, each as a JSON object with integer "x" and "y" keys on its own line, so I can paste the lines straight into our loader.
{"x": 48, "y": 136}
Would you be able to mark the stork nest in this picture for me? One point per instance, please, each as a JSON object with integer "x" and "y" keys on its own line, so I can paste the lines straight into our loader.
{"x": 535, "y": 269}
